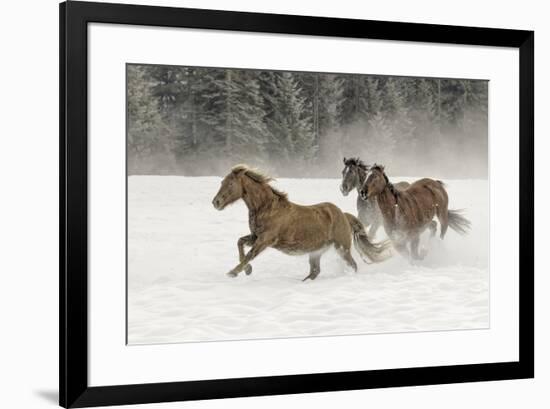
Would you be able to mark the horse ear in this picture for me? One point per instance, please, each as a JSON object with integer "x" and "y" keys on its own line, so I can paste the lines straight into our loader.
{"x": 345, "y": 160}
{"x": 239, "y": 170}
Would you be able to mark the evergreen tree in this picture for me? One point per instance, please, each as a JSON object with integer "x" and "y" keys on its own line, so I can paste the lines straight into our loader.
{"x": 234, "y": 115}
{"x": 188, "y": 114}
{"x": 397, "y": 118}
{"x": 252, "y": 135}
{"x": 212, "y": 108}
{"x": 352, "y": 108}
{"x": 425, "y": 99}
{"x": 423, "y": 109}
{"x": 292, "y": 137}
{"x": 148, "y": 136}
{"x": 453, "y": 101}
{"x": 330, "y": 101}
{"x": 372, "y": 97}
{"x": 323, "y": 93}
{"x": 202, "y": 120}
{"x": 175, "y": 90}
{"x": 381, "y": 140}
{"x": 392, "y": 99}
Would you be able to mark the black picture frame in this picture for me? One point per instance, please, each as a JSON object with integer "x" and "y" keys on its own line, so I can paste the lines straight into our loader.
{"x": 74, "y": 390}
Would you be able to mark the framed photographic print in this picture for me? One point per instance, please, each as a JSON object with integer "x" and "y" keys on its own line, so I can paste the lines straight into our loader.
{"x": 256, "y": 204}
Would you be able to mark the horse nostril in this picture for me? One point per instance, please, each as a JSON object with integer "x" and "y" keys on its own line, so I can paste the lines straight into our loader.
{"x": 344, "y": 190}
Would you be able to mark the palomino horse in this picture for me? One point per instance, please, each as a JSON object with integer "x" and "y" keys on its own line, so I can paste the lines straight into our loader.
{"x": 407, "y": 213}
{"x": 353, "y": 177}
{"x": 276, "y": 222}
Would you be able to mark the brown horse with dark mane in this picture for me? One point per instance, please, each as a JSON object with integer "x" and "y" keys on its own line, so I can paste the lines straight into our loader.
{"x": 407, "y": 213}
{"x": 354, "y": 175}
{"x": 276, "y": 222}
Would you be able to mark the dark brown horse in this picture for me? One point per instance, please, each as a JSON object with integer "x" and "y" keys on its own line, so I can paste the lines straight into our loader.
{"x": 276, "y": 222}
{"x": 407, "y": 213}
{"x": 353, "y": 177}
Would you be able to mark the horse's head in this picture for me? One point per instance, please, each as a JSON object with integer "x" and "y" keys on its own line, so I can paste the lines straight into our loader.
{"x": 231, "y": 189}
{"x": 375, "y": 183}
{"x": 245, "y": 182}
{"x": 354, "y": 169}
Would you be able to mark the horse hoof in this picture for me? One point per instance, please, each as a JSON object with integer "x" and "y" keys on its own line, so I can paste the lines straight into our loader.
{"x": 248, "y": 269}
{"x": 232, "y": 274}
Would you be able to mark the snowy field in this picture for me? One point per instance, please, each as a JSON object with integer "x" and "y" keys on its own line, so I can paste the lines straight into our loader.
{"x": 180, "y": 247}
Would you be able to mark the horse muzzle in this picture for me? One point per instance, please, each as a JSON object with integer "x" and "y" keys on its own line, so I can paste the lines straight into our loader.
{"x": 344, "y": 191}
{"x": 217, "y": 203}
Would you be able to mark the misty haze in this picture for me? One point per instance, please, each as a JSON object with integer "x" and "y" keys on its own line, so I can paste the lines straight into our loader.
{"x": 201, "y": 121}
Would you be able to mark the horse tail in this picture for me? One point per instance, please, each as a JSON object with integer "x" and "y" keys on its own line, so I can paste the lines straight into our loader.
{"x": 369, "y": 252}
{"x": 459, "y": 223}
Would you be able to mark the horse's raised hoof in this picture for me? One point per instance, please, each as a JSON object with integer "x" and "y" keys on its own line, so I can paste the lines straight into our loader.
{"x": 232, "y": 274}
{"x": 248, "y": 269}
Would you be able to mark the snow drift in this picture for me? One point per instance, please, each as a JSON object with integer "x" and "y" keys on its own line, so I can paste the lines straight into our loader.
{"x": 180, "y": 247}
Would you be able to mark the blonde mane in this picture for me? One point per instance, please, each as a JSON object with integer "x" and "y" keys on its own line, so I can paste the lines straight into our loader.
{"x": 259, "y": 177}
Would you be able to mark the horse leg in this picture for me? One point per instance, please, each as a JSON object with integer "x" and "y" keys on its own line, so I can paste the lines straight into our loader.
{"x": 314, "y": 266}
{"x": 373, "y": 229}
{"x": 258, "y": 246}
{"x": 245, "y": 241}
{"x": 401, "y": 248}
{"x": 345, "y": 253}
{"x": 415, "y": 242}
{"x": 433, "y": 228}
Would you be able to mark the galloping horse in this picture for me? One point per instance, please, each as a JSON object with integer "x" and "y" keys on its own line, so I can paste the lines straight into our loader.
{"x": 407, "y": 213}
{"x": 276, "y": 222}
{"x": 353, "y": 177}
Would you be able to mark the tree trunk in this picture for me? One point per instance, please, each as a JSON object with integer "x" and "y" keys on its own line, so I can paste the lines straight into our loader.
{"x": 439, "y": 105}
{"x": 193, "y": 110}
{"x": 228, "y": 113}
{"x": 316, "y": 109}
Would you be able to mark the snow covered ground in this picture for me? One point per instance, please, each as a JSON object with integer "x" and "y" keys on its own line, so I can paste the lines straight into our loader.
{"x": 180, "y": 247}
